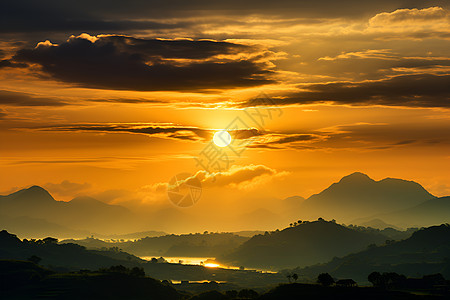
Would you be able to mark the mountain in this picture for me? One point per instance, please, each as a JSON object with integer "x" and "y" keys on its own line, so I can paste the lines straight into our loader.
{"x": 425, "y": 252}
{"x": 133, "y": 235}
{"x": 194, "y": 245}
{"x": 304, "y": 244}
{"x": 377, "y": 223}
{"x": 432, "y": 212}
{"x": 66, "y": 256}
{"x": 25, "y": 226}
{"x": 357, "y": 195}
{"x": 79, "y": 214}
{"x": 290, "y": 207}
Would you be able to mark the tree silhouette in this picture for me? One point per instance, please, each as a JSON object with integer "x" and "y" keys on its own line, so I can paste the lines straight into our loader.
{"x": 289, "y": 277}
{"x": 137, "y": 272}
{"x": 50, "y": 240}
{"x": 295, "y": 276}
{"x": 34, "y": 259}
{"x": 325, "y": 279}
{"x": 232, "y": 293}
{"x": 247, "y": 294}
{"x": 375, "y": 279}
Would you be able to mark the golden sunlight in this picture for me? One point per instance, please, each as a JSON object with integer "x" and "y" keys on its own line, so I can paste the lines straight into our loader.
{"x": 211, "y": 265}
{"x": 222, "y": 138}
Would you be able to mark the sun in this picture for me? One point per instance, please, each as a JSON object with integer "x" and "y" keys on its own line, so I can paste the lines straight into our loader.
{"x": 222, "y": 138}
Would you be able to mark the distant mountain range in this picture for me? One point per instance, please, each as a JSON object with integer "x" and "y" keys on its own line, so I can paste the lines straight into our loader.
{"x": 305, "y": 244}
{"x": 431, "y": 212}
{"x": 67, "y": 256}
{"x": 36, "y": 209}
{"x": 191, "y": 245}
{"x": 357, "y": 195}
{"x": 425, "y": 252}
{"x": 355, "y": 199}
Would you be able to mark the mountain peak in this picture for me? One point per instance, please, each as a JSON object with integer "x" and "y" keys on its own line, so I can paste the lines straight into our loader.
{"x": 356, "y": 177}
{"x": 36, "y": 189}
{"x": 34, "y": 194}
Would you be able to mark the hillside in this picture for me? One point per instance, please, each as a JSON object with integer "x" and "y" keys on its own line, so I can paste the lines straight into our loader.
{"x": 26, "y": 280}
{"x": 40, "y": 211}
{"x": 425, "y": 252}
{"x": 66, "y": 256}
{"x": 194, "y": 245}
{"x": 432, "y": 212}
{"x": 357, "y": 195}
{"x": 304, "y": 244}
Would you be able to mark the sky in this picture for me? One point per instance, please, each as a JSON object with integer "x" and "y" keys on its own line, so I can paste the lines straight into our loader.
{"x": 110, "y": 100}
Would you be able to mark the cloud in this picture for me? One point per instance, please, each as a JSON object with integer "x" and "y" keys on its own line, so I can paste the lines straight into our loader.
{"x": 277, "y": 141}
{"x": 409, "y": 16}
{"x": 159, "y": 130}
{"x": 25, "y": 99}
{"x": 421, "y": 90}
{"x": 259, "y": 139}
{"x": 6, "y": 63}
{"x": 168, "y": 131}
{"x": 127, "y": 63}
{"x": 112, "y": 15}
{"x": 67, "y": 188}
{"x": 2, "y": 113}
{"x": 430, "y": 22}
{"x": 240, "y": 177}
{"x": 25, "y": 16}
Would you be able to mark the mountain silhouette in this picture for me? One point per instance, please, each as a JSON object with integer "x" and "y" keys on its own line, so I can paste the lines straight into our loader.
{"x": 68, "y": 256}
{"x": 34, "y": 195}
{"x": 304, "y": 244}
{"x": 425, "y": 252}
{"x": 357, "y": 195}
{"x": 432, "y": 212}
{"x": 34, "y": 206}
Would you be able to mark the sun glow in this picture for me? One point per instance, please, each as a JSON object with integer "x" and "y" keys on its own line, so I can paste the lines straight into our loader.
{"x": 222, "y": 138}
{"x": 211, "y": 265}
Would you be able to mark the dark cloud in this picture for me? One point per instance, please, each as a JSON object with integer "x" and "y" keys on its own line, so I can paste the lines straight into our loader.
{"x": 6, "y": 63}
{"x": 422, "y": 90}
{"x": 194, "y": 134}
{"x": 25, "y": 16}
{"x": 129, "y": 100}
{"x": 277, "y": 141}
{"x": 114, "y": 15}
{"x": 168, "y": 131}
{"x": 406, "y": 142}
{"x": 25, "y": 99}
{"x": 126, "y": 63}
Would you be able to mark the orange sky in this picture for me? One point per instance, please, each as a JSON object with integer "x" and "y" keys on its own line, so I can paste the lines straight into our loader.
{"x": 114, "y": 110}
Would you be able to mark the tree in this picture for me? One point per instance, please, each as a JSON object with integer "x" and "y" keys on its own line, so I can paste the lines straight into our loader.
{"x": 231, "y": 293}
{"x": 34, "y": 259}
{"x": 289, "y": 277}
{"x": 50, "y": 240}
{"x": 118, "y": 269}
{"x": 325, "y": 279}
{"x": 247, "y": 294}
{"x": 295, "y": 276}
{"x": 137, "y": 272}
{"x": 154, "y": 260}
{"x": 375, "y": 279}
